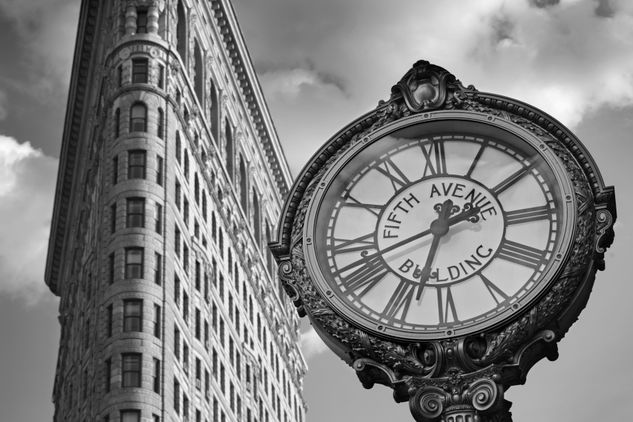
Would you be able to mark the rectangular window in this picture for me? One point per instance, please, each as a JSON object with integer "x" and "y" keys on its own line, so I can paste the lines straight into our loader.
{"x": 157, "y": 321}
{"x": 156, "y": 418}
{"x": 130, "y": 416}
{"x": 176, "y": 342}
{"x": 115, "y": 170}
{"x": 108, "y": 374}
{"x": 139, "y": 71}
{"x": 185, "y": 407}
{"x": 133, "y": 262}
{"x": 159, "y": 170}
{"x": 185, "y": 306}
{"x": 197, "y": 324}
{"x": 177, "y": 290}
{"x": 185, "y": 211}
{"x": 198, "y": 372}
{"x": 109, "y": 313}
{"x": 111, "y": 268}
{"x": 177, "y": 195}
{"x": 113, "y": 218}
{"x": 160, "y": 125}
{"x": 119, "y": 75}
{"x": 156, "y": 380}
{"x": 136, "y": 161}
{"x": 158, "y": 268}
{"x": 185, "y": 357}
{"x": 117, "y": 122}
{"x": 206, "y": 335}
{"x": 185, "y": 257}
{"x": 197, "y": 275}
{"x": 177, "y": 241}
{"x": 132, "y": 315}
{"x": 161, "y": 76}
{"x": 131, "y": 369}
{"x": 141, "y": 21}
{"x": 135, "y": 214}
{"x": 176, "y": 396}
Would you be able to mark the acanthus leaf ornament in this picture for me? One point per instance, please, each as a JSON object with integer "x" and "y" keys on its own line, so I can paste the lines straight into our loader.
{"x": 451, "y": 369}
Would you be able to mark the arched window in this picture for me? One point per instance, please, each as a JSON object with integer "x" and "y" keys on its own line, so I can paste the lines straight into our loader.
{"x": 138, "y": 117}
{"x": 178, "y": 147}
{"x": 197, "y": 68}
{"x": 243, "y": 187}
{"x": 215, "y": 111}
{"x": 257, "y": 228}
{"x": 160, "y": 123}
{"x": 181, "y": 33}
{"x": 228, "y": 137}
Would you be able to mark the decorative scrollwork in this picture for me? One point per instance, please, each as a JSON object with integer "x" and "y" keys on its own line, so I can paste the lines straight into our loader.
{"x": 460, "y": 374}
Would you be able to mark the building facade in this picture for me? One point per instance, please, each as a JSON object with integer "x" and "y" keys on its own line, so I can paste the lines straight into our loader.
{"x": 171, "y": 178}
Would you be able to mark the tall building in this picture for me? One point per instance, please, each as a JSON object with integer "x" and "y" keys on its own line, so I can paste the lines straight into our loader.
{"x": 171, "y": 178}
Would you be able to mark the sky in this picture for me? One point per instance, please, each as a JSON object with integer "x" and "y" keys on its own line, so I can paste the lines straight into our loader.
{"x": 322, "y": 64}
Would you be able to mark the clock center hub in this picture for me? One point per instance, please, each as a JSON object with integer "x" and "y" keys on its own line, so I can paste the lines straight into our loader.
{"x": 447, "y": 245}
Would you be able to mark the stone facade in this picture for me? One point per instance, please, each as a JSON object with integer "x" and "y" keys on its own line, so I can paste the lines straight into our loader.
{"x": 171, "y": 179}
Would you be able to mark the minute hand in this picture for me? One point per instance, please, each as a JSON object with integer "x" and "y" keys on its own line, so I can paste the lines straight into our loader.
{"x": 464, "y": 215}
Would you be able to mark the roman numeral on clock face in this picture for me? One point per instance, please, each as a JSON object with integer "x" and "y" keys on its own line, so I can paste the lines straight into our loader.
{"x": 497, "y": 294}
{"x": 435, "y": 157}
{"x": 480, "y": 152}
{"x": 527, "y": 215}
{"x": 366, "y": 277}
{"x": 397, "y": 178}
{"x": 446, "y": 306}
{"x": 520, "y": 254}
{"x": 512, "y": 179}
{"x": 400, "y": 300}
{"x": 355, "y": 203}
{"x": 360, "y": 243}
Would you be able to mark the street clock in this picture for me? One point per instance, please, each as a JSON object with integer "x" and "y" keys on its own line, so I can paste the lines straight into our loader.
{"x": 444, "y": 242}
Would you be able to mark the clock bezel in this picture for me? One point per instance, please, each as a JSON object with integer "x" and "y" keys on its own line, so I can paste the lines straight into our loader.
{"x": 473, "y": 119}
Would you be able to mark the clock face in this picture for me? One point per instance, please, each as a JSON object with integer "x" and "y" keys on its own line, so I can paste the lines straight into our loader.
{"x": 439, "y": 227}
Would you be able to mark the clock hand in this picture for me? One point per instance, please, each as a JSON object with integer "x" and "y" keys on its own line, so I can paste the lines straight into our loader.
{"x": 464, "y": 215}
{"x": 439, "y": 228}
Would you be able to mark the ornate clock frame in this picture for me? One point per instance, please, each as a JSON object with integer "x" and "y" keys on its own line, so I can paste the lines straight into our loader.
{"x": 460, "y": 378}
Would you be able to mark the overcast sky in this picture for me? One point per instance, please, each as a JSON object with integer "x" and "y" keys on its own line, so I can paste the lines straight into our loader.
{"x": 321, "y": 64}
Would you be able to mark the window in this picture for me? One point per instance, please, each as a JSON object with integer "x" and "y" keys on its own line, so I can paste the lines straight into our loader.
{"x": 155, "y": 418}
{"x": 177, "y": 396}
{"x": 113, "y": 217}
{"x": 141, "y": 21}
{"x": 115, "y": 170}
{"x": 119, "y": 75}
{"x": 158, "y": 268}
{"x": 108, "y": 374}
{"x": 138, "y": 118}
{"x": 177, "y": 241}
{"x": 130, "y": 416}
{"x": 161, "y": 76}
{"x": 109, "y": 313}
{"x": 197, "y": 277}
{"x": 185, "y": 211}
{"x": 160, "y": 123}
{"x": 159, "y": 170}
{"x": 198, "y": 77}
{"x": 243, "y": 187}
{"x": 111, "y": 268}
{"x": 181, "y": 32}
{"x": 186, "y": 164}
{"x": 136, "y": 160}
{"x": 139, "y": 71}
{"x": 133, "y": 262}
{"x": 178, "y": 148}
{"x": 156, "y": 380}
{"x": 158, "y": 221}
{"x": 198, "y": 328}
{"x": 117, "y": 122}
{"x": 157, "y": 319}
{"x": 131, "y": 364}
{"x": 176, "y": 342}
{"x": 177, "y": 194}
{"x": 185, "y": 257}
{"x": 135, "y": 216}
{"x": 132, "y": 315}
{"x": 185, "y": 305}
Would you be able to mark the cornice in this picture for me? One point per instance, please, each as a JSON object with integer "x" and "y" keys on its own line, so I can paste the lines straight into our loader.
{"x": 77, "y": 97}
{"x": 249, "y": 84}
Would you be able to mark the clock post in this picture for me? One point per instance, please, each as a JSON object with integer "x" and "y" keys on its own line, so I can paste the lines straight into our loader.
{"x": 445, "y": 242}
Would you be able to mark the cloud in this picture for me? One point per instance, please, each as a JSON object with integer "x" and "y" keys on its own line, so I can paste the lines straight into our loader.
{"x": 311, "y": 344}
{"x": 47, "y": 30}
{"x": 568, "y": 57}
{"x": 27, "y": 186}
